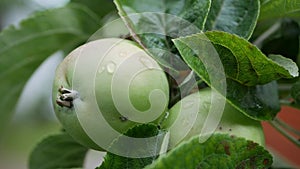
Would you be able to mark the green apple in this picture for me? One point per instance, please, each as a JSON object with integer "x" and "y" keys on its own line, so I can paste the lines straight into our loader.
{"x": 232, "y": 122}
{"x": 110, "y": 80}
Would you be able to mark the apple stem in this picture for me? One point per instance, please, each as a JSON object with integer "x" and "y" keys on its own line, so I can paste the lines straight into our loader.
{"x": 186, "y": 87}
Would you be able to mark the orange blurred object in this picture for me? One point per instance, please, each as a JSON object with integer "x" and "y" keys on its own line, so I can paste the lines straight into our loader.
{"x": 276, "y": 141}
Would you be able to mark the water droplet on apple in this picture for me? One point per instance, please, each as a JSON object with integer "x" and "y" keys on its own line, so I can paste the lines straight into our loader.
{"x": 186, "y": 122}
{"x": 147, "y": 62}
{"x": 123, "y": 54}
{"x": 188, "y": 104}
{"x": 110, "y": 67}
{"x": 101, "y": 70}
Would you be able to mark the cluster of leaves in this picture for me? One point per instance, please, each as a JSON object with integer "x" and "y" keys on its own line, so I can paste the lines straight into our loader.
{"x": 229, "y": 25}
{"x": 220, "y": 150}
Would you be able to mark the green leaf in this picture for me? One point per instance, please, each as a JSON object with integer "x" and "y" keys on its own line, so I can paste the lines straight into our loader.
{"x": 245, "y": 68}
{"x": 100, "y": 7}
{"x": 219, "y": 151}
{"x": 233, "y": 16}
{"x": 56, "y": 152}
{"x": 194, "y": 11}
{"x": 287, "y": 63}
{"x": 159, "y": 21}
{"x": 271, "y": 9}
{"x": 121, "y": 162}
{"x": 24, "y": 48}
{"x": 295, "y": 92}
{"x": 259, "y": 102}
{"x": 242, "y": 61}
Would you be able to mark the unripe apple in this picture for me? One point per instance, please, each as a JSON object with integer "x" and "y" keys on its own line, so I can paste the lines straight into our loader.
{"x": 232, "y": 122}
{"x": 110, "y": 78}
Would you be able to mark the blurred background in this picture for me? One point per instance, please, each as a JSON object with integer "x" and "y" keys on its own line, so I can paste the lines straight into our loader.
{"x": 34, "y": 118}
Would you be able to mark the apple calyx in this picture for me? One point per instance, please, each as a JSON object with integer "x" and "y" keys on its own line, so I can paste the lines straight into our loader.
{"x": 66, "y": 97}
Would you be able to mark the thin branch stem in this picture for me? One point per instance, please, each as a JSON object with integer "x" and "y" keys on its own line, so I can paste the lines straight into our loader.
{"x": 287, "y": 126}
{"x": 289, "y": 103}
{"x": 186, "y": 87}
{"x": 259, "y": 41}
{"x": 279, "y": 128}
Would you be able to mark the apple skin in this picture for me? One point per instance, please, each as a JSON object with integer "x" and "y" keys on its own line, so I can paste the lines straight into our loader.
{"x": 116, "y": 51}
{"x": 233, "y": 122}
